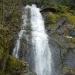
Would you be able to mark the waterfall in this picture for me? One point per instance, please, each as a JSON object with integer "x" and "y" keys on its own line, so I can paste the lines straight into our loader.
{"x": 40, "y": 46}
{"x": 42, "y": 53}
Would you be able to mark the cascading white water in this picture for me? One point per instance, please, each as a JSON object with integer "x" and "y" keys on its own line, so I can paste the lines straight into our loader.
{"x": 41, "y": 50}
{"x": 42, "y": 53}
{"x": 20, "y": 34}
{"x": 17, "y": 47}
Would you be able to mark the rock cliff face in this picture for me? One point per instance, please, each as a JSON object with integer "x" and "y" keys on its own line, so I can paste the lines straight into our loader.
{"x": 61, "y": 34}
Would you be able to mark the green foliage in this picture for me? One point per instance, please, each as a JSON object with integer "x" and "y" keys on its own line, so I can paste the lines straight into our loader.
{"x": 70, "y": 18}
{"x": 69, "y": 3}
{"x": 15, "y": 66}
{"x": 52, "y": 20}
{"x": 64, "y": 11}
{"x": 10, "y": 19}
{"x": 62, "y": 8}
{"x": 2, "y": 54}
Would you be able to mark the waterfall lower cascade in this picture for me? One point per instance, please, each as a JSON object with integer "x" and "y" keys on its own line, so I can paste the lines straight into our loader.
{"x": 40, "y": 46}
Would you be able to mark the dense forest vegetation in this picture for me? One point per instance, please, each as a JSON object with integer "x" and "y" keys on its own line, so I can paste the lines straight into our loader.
{"x": 60, "y": 23}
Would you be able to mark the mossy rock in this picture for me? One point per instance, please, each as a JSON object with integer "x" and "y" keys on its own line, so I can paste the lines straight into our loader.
{"x": 68, "y": 71}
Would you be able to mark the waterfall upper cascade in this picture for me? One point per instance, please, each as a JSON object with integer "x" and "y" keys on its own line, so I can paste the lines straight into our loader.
{"x": 40, "y": 47}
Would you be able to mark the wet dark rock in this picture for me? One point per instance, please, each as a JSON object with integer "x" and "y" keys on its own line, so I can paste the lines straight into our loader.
{"x": 69, "y": 73}
{"x": 61, "y": 21}
{"x": 72, "y": 33}
{"x": 49, "y": 9}
{"x": 56, "y": 57}
{"x": 70, "y": 58}
{"x": 63, "y": 27}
